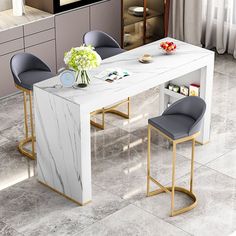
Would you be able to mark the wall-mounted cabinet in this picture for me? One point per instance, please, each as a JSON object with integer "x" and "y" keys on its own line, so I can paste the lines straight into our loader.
{"x": 144, "y": 21}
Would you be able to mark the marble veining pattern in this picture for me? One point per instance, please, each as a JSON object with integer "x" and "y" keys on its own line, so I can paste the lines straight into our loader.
{"x": 54, "y": 167}
{"x": 62, "y": 115}
{"x": 143, "y": 76}
{"x": 120, "y": 207}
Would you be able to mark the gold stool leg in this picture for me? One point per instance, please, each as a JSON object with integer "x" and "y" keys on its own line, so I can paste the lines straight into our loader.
{"x": 192, "y": 164}
{"x": 171, "y": 189}
{"x": 148, "y": 160}
{"x": 32, "y": 124}
{"x": 25, "y": 115}
{"x": 31, "y": 138}
{"x": 173, "y": 180}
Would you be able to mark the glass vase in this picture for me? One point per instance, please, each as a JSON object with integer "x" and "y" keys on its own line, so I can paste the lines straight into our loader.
{"x": 83, "y": 79}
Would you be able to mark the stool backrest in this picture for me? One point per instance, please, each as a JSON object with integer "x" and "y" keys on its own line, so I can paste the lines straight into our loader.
{"x": 23, "y": 62}
{"x": 194, "y": 107}
{"x": 98, "y": 39}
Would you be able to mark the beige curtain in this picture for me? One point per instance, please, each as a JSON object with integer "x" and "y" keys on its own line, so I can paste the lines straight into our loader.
{"x": 185, "y": 21}
{"x": 219, "y": 25}
{"x": 211, "y": 23}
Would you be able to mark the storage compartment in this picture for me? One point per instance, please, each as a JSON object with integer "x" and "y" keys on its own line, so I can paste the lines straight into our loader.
{"x": 40, "y": 37}
{"x": 11, "y": 46}
{"x": 11, "y": 34}
{"x": 40, "y": 25}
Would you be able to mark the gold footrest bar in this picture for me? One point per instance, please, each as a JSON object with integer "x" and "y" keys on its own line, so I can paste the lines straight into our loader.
{"x": 28, "y": 138}
{"x": 116, "y": 105}
{"x": 24, "y": 151}
{"x": 178, "y": 189}
{"x": 160, "y": 185}
{"x": 97, "y": 125}
{"x": 118, "y": 113}
{"x": 112, "y": 110}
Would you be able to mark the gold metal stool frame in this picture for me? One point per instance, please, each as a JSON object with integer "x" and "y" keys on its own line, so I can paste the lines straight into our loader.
{"x": 27, "y": 139}
{"x": 112, "y": 110}
{"x": 171, "y": 190}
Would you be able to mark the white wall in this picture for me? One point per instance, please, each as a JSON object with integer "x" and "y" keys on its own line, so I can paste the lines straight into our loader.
{"x": 5, "y": 4}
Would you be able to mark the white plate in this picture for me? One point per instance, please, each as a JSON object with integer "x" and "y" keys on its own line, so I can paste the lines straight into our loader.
{"x": 145, "y": 61}
{"x": 137, "y": 11}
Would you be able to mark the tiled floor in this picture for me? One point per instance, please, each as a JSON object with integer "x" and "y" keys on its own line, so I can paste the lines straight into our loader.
{"x": 119, "y": 205}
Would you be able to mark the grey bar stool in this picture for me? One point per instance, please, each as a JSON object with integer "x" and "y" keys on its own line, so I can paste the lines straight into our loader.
{"x": 104, "y": 44}
{"x": 181, "y": 122}
{"x": 106, "y": 47}
{"x": 27, "y": 70}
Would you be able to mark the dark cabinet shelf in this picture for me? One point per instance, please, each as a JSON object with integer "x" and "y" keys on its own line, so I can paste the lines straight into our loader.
{"x": 151, "y": 26}
{"x": 131, "y": 19}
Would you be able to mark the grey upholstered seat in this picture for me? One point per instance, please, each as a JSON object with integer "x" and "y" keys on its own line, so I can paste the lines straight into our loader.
{"x": 106, "y": 52}
{"x": 182, "y": 119}
{"x": 27, "y": 70}
{"x": 103, "y": 43}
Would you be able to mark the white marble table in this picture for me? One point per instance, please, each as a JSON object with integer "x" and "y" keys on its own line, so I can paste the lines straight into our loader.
{"x": 62, "y": 116}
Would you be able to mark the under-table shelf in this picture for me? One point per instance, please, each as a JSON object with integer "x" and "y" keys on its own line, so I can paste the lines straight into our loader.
{"x": 173, "y": 94}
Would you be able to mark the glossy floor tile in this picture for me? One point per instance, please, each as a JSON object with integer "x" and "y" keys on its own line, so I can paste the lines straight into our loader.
{"x": 14, "y": 167}
{"x": 225, "y": 64}
{"x": 33, "y": 209}
{"x": 124, "y": 173}
{"x": 132, "y": 221}
{"x": 225, "y": 164}
{"x": 120, "y": 206}
{"x": 215, "y": 213}
{"x": 6, "y": 230}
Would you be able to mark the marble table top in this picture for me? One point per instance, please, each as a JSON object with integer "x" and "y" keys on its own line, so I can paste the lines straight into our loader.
{"x": 141, "y": 74}
{"x": 7, "y": 20}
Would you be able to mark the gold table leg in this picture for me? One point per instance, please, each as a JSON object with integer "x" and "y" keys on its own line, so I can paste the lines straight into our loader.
{"x": 113, "y": 111}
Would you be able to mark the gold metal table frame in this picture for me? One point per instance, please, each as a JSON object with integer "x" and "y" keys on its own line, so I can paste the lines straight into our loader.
{"x": 112, "y": 110}
{"x": 171, "y": 190}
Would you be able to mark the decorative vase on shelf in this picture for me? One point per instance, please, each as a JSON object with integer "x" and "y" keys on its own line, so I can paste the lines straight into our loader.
{"x": 18, "y": 7}
{"x": 81, "y": 60}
